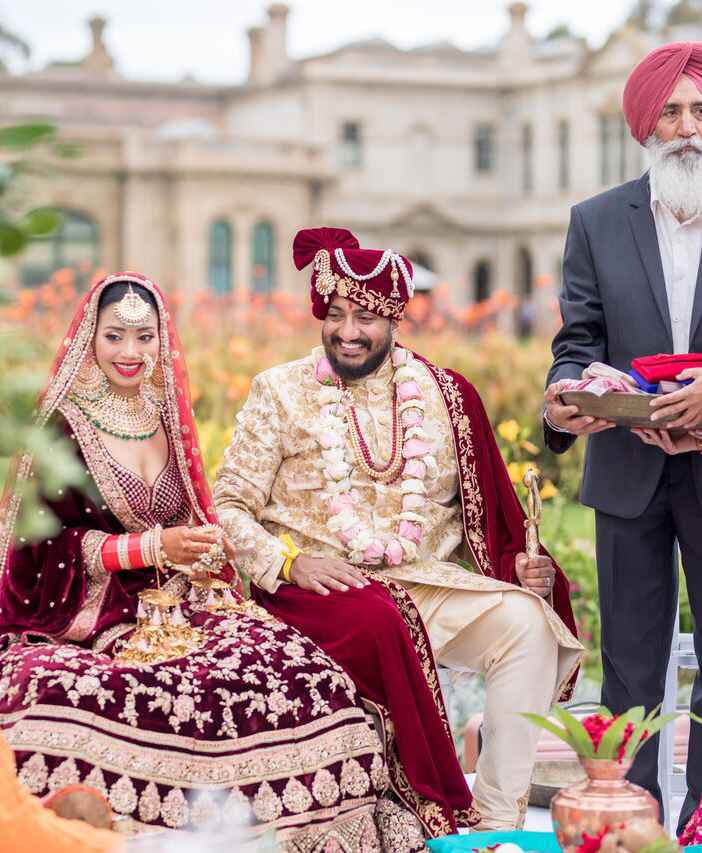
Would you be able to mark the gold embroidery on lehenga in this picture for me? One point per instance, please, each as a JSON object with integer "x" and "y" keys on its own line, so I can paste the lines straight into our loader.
{"x": 149, "y": 803}
{"x": 123, "y": 796}
{"x": 296, "y": 798}
{"x": 325, "y": 788}
{"x": 34, "y": 774}
{"x": 266, "y": 804}
{"x": 175, "y": 810}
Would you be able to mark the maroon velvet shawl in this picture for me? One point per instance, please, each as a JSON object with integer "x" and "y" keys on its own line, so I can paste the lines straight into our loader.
{"x": 493, "y": 517}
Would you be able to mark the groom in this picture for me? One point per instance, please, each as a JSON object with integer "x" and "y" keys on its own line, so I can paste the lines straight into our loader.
{"x": 363, "y": 461}
{"x": 632, "y": 286}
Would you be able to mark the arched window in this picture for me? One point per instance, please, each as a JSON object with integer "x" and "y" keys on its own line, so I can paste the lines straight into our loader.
{"x": 525, "y": 293}
{"x": 482, "y": 275}
{"x": 220, "y": 256}
{"x": 263, "y": 253}
{"x": 75, "y": 244}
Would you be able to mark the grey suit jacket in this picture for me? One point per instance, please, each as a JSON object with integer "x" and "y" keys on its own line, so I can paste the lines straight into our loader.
{"x": 614, "y": 308}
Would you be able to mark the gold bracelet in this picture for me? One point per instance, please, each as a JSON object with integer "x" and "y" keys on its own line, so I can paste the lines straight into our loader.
{"x": 290, "y": 553}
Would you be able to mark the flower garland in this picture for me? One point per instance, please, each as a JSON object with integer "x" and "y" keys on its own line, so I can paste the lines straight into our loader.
{"x": 338, "y": 465}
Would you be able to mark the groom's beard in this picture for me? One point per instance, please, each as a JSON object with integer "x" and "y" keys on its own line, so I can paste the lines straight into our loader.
{"x": 677, "y": 174}
{"x": 350, "y": 372}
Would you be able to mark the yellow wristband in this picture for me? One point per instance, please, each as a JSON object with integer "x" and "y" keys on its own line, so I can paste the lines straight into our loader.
{"x": 290, "y": 553}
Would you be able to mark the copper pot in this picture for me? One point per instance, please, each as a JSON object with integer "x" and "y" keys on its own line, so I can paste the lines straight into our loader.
{"x": 605, "y": 798}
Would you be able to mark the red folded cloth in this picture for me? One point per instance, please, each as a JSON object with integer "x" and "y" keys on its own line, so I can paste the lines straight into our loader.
{"x": 661, "y": 367}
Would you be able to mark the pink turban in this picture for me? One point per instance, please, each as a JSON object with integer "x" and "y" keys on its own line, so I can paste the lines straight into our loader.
{"x": 650, "y": 84}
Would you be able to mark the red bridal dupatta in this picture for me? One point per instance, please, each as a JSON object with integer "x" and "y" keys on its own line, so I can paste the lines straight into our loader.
{"x": 257, "y": 725}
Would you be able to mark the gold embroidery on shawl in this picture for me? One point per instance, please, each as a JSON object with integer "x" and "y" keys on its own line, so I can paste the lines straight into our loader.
{"x": 471, "y": 498}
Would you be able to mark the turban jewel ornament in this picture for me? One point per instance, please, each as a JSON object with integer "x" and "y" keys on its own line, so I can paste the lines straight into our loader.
{"x": 380, "y": 280}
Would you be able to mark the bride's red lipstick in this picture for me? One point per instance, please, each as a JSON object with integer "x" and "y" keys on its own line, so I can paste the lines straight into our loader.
{"x": 128, "y": 371}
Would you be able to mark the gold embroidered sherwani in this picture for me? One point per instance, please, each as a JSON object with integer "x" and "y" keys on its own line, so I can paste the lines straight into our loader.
{"x": 271, "y": 483}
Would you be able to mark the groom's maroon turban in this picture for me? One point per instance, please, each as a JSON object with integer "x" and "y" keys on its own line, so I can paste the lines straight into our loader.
{"x": 378, "y": 279}
{"x": 651, "y": 83}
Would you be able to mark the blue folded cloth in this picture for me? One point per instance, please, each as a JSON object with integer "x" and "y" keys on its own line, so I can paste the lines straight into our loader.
{"x": 648, "y": 387}
{"x": 542, "y": 842}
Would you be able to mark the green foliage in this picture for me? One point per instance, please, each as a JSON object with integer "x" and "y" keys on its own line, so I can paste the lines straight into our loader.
{"x": 55, "y": 465}
{"x": 26, "y": 149}
{"x": 573, "y": 732}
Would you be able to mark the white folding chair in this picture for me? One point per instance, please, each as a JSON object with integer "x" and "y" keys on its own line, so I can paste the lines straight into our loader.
{"x": 671, "y": 778}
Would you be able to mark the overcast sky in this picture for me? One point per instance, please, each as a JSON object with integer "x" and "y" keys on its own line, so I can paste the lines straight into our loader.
{"x": 166, "y": 40}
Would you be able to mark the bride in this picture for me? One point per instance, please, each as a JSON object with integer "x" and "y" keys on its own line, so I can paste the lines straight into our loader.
{"x": 250, "y": 710}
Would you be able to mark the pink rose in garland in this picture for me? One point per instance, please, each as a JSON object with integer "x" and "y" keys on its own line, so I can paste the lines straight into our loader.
{"x": 324, "y": 372}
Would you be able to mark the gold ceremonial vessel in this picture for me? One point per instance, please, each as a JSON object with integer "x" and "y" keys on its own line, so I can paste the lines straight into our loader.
{"x": 605, "y": 798}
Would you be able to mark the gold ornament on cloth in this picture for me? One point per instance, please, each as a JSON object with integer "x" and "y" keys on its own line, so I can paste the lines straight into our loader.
{"x": 534, "y": 508}
{"x": 214, "y": 594}
{"x": 325, "y": 283}
{"x": 162, "y": 633}
{"x": 132, "y": 310}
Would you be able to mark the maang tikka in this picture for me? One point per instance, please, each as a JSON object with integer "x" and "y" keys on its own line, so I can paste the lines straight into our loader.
{"x": 132, "y": 310}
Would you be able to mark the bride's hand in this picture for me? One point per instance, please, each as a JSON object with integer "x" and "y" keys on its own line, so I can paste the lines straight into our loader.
{"x": 185, "y": 545}
{"x": 663, "y": 439}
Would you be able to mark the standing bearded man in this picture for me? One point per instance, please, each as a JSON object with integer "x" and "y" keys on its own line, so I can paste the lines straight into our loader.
{"x": 358, "y": 476}
{"x": 632, "y": 287}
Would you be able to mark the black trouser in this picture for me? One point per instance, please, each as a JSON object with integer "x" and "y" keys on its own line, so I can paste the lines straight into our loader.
{"x": 638, "y": 586}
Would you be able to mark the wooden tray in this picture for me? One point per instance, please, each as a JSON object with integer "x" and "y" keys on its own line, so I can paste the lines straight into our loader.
{"x": 629, "y": 410}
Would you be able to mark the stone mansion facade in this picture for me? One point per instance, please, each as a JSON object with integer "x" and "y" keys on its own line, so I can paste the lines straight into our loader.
{"x": 467, "y": 161}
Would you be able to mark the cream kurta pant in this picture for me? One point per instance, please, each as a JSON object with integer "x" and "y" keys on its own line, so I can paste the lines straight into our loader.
{"x": 510, "y": 641}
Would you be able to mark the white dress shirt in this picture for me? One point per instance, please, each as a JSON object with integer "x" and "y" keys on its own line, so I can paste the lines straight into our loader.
{"x": 680, "y": 245}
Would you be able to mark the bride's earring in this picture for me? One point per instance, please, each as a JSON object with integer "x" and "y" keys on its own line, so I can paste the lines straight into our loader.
{"x": 149, "y": 365}
{"x": 154, "y": 381}
{"x": 90, "y": 383}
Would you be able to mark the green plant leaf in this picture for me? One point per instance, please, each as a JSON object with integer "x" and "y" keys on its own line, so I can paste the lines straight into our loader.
{"x": 42, "y": 221}
{"x": 545, "y": 723}
{"x": 12, "y": 239}
{"x": 654, "y": 726}
{"x": 26, "y": 135}
{"x": 578, "y": 732}
{"x": 603, "y": 711}
{"x": 643, "y": 726}
{"x": 612, "y": 738}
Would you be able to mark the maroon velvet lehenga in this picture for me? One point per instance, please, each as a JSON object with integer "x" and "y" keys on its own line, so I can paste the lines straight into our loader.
{"x": 257, "y": 714}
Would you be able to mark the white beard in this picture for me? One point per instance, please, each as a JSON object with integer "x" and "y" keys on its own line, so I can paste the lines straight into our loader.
{"x": 677, "y": 177}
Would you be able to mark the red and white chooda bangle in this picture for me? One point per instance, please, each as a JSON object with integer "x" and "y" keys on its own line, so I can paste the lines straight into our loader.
{"x": 124, "y": 551}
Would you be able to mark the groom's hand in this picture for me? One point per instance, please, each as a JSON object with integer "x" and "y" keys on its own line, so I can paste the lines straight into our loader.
{"x": 536, "y": 575}
{"x": 322, "y": 574}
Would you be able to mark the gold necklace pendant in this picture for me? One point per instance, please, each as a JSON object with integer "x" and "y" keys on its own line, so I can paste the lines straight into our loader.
{"x": 130, "y": 418}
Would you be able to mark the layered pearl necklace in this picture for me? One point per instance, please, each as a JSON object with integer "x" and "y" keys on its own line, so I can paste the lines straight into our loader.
{"x": 410, "y": 459}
